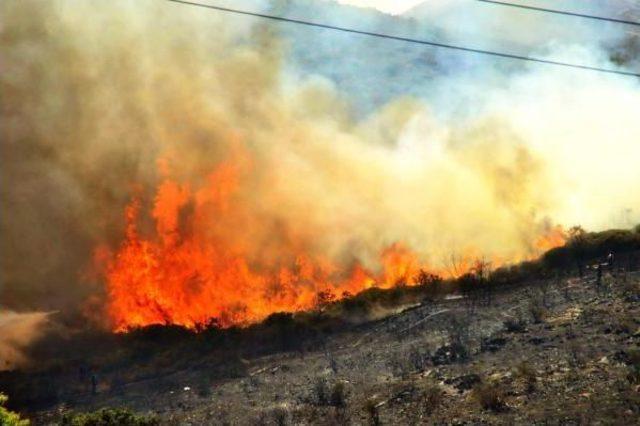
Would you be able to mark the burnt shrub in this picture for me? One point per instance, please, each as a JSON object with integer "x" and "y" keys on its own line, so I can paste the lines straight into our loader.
{"x": 371, "y": 409}
{"x": 490, "y": 396}
{"x": 326, "y": 394}
{"x": 515, "y": 325}
{"x": 431, "y": 399}
{"x": 527, "y": 375}
{"x": 465, "y": 382}
{"x": 338, "y": 395}
{"x": 280, "y": 416}
{"x": 537, "y": 311}
{"x": 492, "y": 344}
{"x": 320, "y": 392}
{"x": 431, "y": 284}
{"x": 450, "y": 354}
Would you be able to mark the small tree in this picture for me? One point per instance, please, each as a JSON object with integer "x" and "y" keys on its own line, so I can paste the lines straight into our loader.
{"x": 430, "y": 282}
{"x": 9, "y": 418}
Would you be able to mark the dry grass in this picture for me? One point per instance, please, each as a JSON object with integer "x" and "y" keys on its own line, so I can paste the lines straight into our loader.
{"x": 490, "y": 396}
{"x": 525, "y": 373}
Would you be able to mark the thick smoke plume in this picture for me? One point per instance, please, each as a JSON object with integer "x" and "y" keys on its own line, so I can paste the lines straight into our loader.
{"x": 17, "y": 331}
{"x": 201, "y": 127}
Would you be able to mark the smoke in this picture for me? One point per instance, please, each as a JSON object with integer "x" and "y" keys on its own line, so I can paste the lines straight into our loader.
{"x": 108, "y": 101}
{"x": 17, "y": 331}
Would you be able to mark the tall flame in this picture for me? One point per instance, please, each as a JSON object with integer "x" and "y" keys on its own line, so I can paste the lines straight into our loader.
{"x": 197, "y": 264}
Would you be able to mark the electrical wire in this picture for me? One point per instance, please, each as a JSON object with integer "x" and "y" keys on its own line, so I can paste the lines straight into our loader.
{"x": 561, "y": 12}
{"x": 410, "y": 40}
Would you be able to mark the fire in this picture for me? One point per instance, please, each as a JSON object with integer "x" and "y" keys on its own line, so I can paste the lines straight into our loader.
{"x": 554, "y": 237}
{"x": 201, "y": 261}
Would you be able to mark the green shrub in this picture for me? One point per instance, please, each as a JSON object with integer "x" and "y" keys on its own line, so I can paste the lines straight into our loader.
{"x": 9, "y": 418}
{"x": 109, "y": 417}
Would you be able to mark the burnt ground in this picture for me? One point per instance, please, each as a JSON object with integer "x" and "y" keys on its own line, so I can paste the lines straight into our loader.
{"x": 560, "y": 351}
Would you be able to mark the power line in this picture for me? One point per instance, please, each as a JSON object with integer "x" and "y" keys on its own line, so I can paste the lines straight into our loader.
{"x": 410, "y": 40}
{"x": 560, "y": 12}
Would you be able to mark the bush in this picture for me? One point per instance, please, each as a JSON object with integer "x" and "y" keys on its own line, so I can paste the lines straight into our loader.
{"x": 537, "y": 310}
{"x": 515, "y": 325}
{"x": 633, "y": 363}
{"x": 431, "y": 283}
{"x": 371, "y": 408}
{"x": 334, "y": 395}
{"x": 432, "y": 397}
{"x": 584, "y": 246}
{"x": 338, "y": 396}
{"x": 109, "y": 417}
{"x": 576, "y": 356}
{"x": 525, "y": 372}
{"x": 458, "y": 330}
{"x": 9, "y": 418}
{"x": 279, "y": 415}
{"x": 321, "y": 391}
{"x": 490, "y": 396}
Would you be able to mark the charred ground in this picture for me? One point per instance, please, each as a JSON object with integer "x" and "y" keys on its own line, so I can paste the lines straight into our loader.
{"x": 542, "y": 341}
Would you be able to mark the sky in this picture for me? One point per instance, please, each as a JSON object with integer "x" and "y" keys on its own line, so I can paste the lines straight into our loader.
{"x": 393, "y": 7}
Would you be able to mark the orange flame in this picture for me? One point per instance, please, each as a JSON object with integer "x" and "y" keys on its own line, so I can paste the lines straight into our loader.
{"x": 200, "y": 262}
{"x": 554, "y": 237}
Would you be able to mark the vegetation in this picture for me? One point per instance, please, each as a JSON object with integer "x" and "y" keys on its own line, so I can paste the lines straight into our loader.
{"x": 527, "y": 374}
{"x": 108, "y": 417}
{"x": 537, "y": 310}
{"x": 432, "y": 398}
{"x": 211, "y": 355}
{"x": 338, "y": 396}
{"x": 371, "y": 409}
{"x": 490, "y": 396}
{"x": 280, "y": 416}
{"x": 9, "y": 418}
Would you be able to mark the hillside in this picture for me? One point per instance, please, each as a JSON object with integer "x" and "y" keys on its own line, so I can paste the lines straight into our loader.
{"x": 558, "y": 349}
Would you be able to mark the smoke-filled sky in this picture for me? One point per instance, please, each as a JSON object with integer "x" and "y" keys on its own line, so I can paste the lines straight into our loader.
{"x": 338, "y": 145}
{"x": 389, "y": 6}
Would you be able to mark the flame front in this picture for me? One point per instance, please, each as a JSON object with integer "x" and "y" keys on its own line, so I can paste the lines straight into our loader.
{"x": 190, "y": 271}
{"x": 199, "y": 263}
